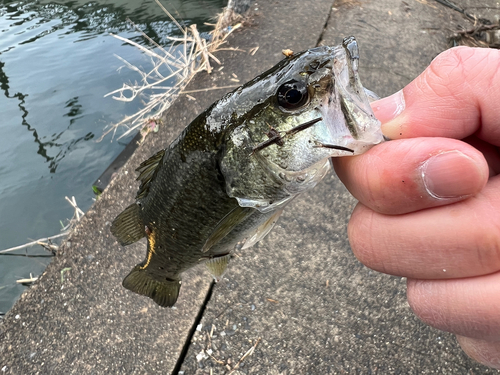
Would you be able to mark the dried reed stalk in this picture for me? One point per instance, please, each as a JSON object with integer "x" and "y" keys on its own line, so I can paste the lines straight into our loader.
{"x": 184, "y": 58}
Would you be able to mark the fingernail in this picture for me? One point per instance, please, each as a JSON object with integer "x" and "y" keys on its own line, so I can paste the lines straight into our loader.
{"x": 389, "y": 108}
{"x": 451, "y": 174}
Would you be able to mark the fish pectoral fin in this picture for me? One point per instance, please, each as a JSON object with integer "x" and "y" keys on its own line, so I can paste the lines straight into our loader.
{"x": 148, "y": 170}
{"x": 163, "y": 292}
{"x": 128, "y": 226}
{"x": 263, "y": 229}
{"x": 226, "y": 225}
{"x": 217, "y": 266}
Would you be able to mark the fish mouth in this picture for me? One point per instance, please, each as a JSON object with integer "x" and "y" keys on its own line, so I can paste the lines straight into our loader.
{"x": 349, "y": 117}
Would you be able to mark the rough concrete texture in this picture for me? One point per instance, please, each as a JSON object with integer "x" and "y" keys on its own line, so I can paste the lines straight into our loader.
{"x": 299, "y": 296}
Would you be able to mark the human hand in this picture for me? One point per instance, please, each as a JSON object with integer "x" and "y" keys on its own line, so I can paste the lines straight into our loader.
{"x": 429, "y": 200}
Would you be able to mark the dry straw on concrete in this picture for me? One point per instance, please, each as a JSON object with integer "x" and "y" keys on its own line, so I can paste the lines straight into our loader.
{"x": 185, "y": 57}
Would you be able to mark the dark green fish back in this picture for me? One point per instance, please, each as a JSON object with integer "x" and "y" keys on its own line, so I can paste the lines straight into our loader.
{"x": 181, "y": 204}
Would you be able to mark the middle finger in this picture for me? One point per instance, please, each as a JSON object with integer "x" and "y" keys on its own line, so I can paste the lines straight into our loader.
{"x": 452, "y": 241}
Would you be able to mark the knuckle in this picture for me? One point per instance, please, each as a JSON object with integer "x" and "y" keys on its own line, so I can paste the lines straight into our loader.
{"x": 488, "y": 249}
{"x": 421, "y": 298}
{"x": 359, "y": 233}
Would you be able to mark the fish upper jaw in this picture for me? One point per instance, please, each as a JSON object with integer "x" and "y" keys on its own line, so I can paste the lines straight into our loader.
{"x": 348, "y": 114}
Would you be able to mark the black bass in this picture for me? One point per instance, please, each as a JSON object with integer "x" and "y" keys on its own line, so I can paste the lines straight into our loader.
{"x": 225, "y": 180}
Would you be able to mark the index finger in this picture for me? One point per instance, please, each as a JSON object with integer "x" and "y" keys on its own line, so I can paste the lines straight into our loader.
{"x": 456, "y": 96}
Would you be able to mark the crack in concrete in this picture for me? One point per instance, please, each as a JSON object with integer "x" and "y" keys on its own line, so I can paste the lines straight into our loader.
{"x": 320, "y": 38}
{"x": 192, "y": 330}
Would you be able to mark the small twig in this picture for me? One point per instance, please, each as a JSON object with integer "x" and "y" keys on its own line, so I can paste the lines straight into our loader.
{"x": 29, "y": 256}
{"x": 253, "y": 51}
{"x": 476, "y": 30}
{"x": 27, "y": 281}
{"x": 170, "y": 16}
{"x": 33, "y": 243}
{"x": 203, "y": 48}
{"x": 479, "y": 36}
{"x": 49, "y": 246}
{"x": 62, "y": 273}
{"x": 217, "y": 360}
{"x": 248, "y": 353}
{"x": 78, "y": 212}
{"x": 149, "y": 39}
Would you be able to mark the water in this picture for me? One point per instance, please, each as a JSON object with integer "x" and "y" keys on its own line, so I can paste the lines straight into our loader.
{"x": 56, "y": 64}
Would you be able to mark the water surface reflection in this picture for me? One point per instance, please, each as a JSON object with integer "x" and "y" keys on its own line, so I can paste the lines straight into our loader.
{"x": 56, "y": 64}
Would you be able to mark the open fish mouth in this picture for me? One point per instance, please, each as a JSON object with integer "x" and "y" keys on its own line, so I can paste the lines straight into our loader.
{"x": 349, "y": 118}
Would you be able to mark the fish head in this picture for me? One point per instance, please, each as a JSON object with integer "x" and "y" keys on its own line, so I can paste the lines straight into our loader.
{"x": 290, "y": 120}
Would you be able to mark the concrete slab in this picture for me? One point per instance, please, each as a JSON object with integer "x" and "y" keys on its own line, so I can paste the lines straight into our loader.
{"x": 299, "y": 296}
{"x": 78, "y": 318}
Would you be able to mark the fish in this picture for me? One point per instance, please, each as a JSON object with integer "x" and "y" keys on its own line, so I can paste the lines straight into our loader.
{"x": 224, "y": 181}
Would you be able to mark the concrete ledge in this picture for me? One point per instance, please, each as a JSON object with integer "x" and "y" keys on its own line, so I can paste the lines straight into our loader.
{"x": 299, "y": 294}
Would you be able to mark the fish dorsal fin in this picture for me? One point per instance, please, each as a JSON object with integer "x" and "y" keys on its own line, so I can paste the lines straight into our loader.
{"x": 147, "y": 172}
{"x": 217, "y": 266}
{"x": 128, "y": 226}
{"x": 226, "y": 225}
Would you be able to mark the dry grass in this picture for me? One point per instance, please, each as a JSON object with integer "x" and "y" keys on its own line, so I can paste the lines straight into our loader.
{"x": 485, "y": 36}
{"x": 183, "y": 59}
{"x": 77, "y": 215}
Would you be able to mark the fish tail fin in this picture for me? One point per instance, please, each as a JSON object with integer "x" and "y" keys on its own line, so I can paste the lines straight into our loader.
{"x": 164, "y": 292}
{"x": 128, "y": 227}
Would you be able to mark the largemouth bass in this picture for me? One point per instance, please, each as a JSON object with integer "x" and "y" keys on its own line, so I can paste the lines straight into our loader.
{"x": 225, "y": 180}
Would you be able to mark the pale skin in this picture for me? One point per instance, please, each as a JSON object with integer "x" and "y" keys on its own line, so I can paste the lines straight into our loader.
{"x": 429, "y": 200}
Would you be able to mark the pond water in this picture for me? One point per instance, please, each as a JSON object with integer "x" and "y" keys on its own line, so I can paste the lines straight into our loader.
{"x": 56, "y": 64}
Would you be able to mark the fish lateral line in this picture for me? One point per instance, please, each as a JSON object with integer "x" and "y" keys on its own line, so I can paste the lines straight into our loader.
{"x": 276, "y": 138}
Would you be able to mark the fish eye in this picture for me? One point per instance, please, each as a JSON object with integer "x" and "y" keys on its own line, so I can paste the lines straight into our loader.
{"x": 292, "y": 94}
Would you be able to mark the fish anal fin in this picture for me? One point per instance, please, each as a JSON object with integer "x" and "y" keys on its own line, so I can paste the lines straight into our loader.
{"x": 217, "y": 266}
{"x": 164, "y": 292}
{"x": 263, "y": 229}
{"x": 128, "y": 226}
{"x": 148, "y": 170}
{"x": 226, "y": 225}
